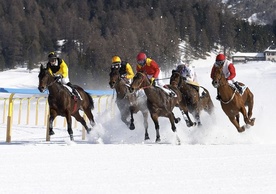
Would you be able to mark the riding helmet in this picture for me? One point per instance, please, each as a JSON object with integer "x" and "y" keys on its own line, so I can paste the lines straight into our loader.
{"x": 141, "y": 59}
{"x": 116, "y": 59}
{"x": 220, "y": 57}
{"x": 52, "y": 55}
{"x": 141, "y": 56}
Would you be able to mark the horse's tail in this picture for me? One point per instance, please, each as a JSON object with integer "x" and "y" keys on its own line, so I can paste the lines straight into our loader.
{"x": 91, "y": 101}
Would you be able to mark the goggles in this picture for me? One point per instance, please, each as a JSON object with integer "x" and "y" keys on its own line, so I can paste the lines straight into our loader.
{"x": 141, "y": 62}
{"x": 219, "y": 63}
{"x": 52, "y": 60}
{"x": 116, "y": 65}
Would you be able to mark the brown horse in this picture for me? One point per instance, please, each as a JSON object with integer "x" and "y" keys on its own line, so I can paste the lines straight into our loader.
{"x": 232, "y": 102}
{"x": 160, "y": 104}
{"x": 128, "y": 103}
{"x": 62, "y": 103}
{"x": 195, "y": 103}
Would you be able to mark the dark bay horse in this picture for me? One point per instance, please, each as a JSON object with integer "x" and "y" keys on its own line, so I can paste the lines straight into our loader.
{"x": 160, "y": 104}
{"x": 232, "y": 102}
{"x": 128, "y": 103}
{"x": 195, "y": 103}
{"x": 62, "y": 103}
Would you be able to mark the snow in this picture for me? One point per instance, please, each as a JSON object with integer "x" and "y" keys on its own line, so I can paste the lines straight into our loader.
{"x": 113, "y": 159}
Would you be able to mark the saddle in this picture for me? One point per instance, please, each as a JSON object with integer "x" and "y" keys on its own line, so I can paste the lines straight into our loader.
{"x": 76, "y": 95}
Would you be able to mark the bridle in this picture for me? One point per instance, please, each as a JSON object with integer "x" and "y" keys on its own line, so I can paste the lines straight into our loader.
{"x": 144, "y": 76}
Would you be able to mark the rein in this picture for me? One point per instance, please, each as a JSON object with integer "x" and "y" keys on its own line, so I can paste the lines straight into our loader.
{"x": 230, "y": 98}
{"x": 233, "y": 95}
{"x": 144, "y": 77}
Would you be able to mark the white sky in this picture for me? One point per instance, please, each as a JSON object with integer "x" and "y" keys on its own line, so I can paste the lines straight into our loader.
{"x": 113, "y": 159}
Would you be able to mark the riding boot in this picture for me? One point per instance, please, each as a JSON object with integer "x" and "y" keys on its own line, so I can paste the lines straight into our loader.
{"x": 238, "y": 87}
{"x": 73, "y": 89}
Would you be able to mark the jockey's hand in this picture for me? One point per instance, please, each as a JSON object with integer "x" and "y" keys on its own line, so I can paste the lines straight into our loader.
{"x": 152, "y": 81}
{"x": 58, "y": 77}
{"x": 123, "y": 76}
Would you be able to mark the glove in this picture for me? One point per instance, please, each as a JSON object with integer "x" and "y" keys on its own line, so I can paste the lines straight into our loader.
{"x": 152, "y": 81}
{"x": 123, "y": 76}
{"x": 57, "y": 77}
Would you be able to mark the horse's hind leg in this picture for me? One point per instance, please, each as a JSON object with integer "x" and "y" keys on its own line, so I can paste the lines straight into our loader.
{"x": 90, "y": 117}
{"x": 80, "y": 119}
{"x": 156, "y": 124}
{"x": 146, "y": 125}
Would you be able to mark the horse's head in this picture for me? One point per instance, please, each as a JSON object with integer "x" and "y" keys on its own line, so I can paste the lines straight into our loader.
{"x": 140, "y": 80}
{"x": 218, "y": 77}
{"x": 44, "y": 78}
{"x": 114, "y": 78}
{"x": 175, "y": 79}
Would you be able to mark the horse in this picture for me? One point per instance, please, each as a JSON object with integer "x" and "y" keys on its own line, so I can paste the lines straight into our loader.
{"x": 128, "y": 103}
{"x": 232, "y": 102}
{"x": 160, "y": 104}
{"x": 190, "y": 93}
{"x": 62, "y": 103}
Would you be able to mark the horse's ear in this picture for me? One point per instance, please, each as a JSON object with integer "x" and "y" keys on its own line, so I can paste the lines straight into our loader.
{"x": 42, "y": 66}
{"x": 173, "y": 71}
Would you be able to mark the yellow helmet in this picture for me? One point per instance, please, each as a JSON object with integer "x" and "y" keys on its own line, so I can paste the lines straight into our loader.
{"x": 116, "y": 59}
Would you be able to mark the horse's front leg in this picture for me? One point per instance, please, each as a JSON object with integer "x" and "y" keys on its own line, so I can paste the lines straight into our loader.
{"x": 131, "y": 126}
{"x": 154, "y": 117}
{"x": 69, "y": 126}
{"x": 51, "y": 119}
{"x": 197, "y": 118}
{"x": 187, "y": 119}
{"x": 236, "y": 124}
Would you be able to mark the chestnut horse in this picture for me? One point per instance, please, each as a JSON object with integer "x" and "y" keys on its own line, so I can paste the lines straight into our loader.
{"x": 128, "y": 103}
{"x": 232, "y": 102}
{"x": 62, "y": 103}
{"x": 160, "y": 104}
{"x": 195, "y": 103}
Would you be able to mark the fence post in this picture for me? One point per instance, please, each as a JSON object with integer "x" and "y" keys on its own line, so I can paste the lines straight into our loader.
{"x": 9, "y": 119}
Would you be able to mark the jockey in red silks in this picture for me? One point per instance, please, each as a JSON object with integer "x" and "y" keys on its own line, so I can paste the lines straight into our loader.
{"x": 151, "y": 68}
{"x": 228, "y": 70}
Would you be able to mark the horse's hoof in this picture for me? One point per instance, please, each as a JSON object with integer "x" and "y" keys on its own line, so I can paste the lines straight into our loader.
{"x": 252, "y": 121}
{"x": 71, "y": 137}
{"x": 177, "y": 120}
{"x": 51, "y": 132}
{"x": 88, "y": 130}
{"x": 132, "y": 126}
{"x": 157, "y": 140}
{"x": 147, "y": 138}
{"x": 241, "y": 129}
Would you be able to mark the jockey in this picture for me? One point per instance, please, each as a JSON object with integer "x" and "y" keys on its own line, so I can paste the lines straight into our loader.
{"x": 151, "y": 68}
{"x": 190, "y": 77}
{"x": 124, "y": 67}
{"x": 58, "y": 68}
{"x": 228, "y": 70}
{"x": 187, "y": 72}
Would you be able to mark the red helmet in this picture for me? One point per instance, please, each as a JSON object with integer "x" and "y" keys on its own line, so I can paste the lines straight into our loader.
{"x": 141, "y": 57}
{"x": 220, "y": 57}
